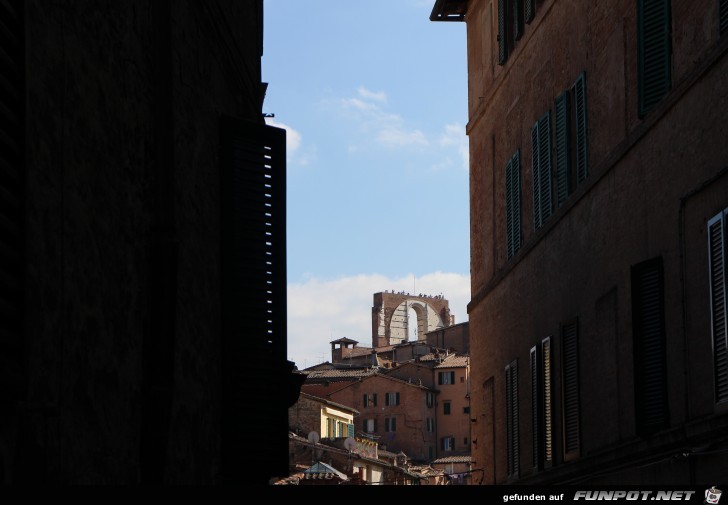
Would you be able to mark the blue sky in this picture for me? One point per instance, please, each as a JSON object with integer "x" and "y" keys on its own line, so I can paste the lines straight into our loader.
{"x": 373, "y": 96}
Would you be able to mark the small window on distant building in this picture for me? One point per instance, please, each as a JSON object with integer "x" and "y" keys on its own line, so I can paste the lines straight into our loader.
{"x": 446, "y": 378}
{"x": 446, "y": 408}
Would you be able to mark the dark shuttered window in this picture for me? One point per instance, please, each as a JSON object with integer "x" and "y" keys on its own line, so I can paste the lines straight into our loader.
{"x": 723, "y": 16}
{"x": 12, "y": 201}
{"x": 570, "y": 393}
{"x": 512, "y": 440}
{"x": 253, "y": 194}
{"x": 581, "y": 147}
{"x": 650, "y": 363}
{"x": 654, "y": 52}
{"x": 541, "y": 141}
{"x": 547, "y": 408}
{"x": 717, "y": 267}
{"x": 502, "y": 33}
{"x": 535, "y": 406}
{"x": 562, "y": 111}
{"x": 513, "y": 204}
{"x": 529, "y": 10}
{"x": 517, "y": 19}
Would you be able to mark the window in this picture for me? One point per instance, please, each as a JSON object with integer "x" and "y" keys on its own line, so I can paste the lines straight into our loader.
{"x": 447, "y": 443}
{"x": 391, "y": 399}
{"x": 466, "y": 410}
{"x": 513, "y": 204}
{"x": 512, "y": 440}
{"x": 370, "y": 400}
{"x": 654, "y": 52}
{"x": 446, "y": 378}
{"x": 723, "y": 16}
{"x": 571, "y": 139}
{"x": 430, "y": 399}
{"x": 431, "y": 453}
{"x": 717, "y": 272}
{"x": 541, "y": 399}
{"x": 650, "y": 360}
{"x": 541, "y": 141}
{"x": 350, "y": 430}
{"x": 446, "y": 408}
{"x": 390, "y": 424}
{"x": 570, "y": 385}
{"x": 430, "y": 425}
{"x": 370, "y": 425}
{"x": 511, "y": 17}
{"x": 465, "y": 441}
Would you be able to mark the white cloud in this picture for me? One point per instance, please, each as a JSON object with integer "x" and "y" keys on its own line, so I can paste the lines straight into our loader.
{"x": 454, "y": 136}
{"x": 380, "y": 96}
{"x": 293, "y": 137}
{"x": 320, "y": 311}
{"x": 392, "y": 136}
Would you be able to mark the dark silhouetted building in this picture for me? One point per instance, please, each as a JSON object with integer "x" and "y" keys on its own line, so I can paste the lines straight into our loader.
{"x": 142, "y": 246}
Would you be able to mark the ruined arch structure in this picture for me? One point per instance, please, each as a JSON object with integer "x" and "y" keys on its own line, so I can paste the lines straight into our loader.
{"x": 390, "y": 323}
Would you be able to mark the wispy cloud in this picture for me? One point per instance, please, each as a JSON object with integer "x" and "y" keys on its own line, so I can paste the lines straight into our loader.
{"x": 322, "y": 310}
{"x": 454, "y": 136}
{"x": 385, "y": 128}
{"x": 294, "y": 141}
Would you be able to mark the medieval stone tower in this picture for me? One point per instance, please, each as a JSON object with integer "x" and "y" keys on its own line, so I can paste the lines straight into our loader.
{"x": 391, "y": 323}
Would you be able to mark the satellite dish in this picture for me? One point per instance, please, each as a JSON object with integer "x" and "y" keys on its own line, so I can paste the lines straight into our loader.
{"x": 349, "y": 444}
{"x": 313, "y": 437}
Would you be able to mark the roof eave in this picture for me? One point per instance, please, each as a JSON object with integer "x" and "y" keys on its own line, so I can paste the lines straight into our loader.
{"x": 449, "y": 10}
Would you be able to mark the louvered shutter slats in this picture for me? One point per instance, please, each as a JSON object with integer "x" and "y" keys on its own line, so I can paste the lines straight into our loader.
{"x": 537, "y": 220}
{"x": 571, "y": 388}
{"x": 716, "y": 248}
{"x": 580, "y": 126}
{"x": 654, "y": 46}
{"x": 563, "y": 141}
{"x": 502, "y": 42}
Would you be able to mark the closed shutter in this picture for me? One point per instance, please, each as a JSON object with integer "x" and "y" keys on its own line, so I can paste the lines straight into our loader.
{"x": 563, "y": 147}
{"x": 544, "y": 162}
{"x": 548, "y": 452}
{"x": 12, "y": 201}
{"x": 502, "y": 42}
{"x": 537, "y": 220}
{"x": 581, "y": 131}
{"x": 253, "y": 273}
{"x": 654, "y": 52}
{"x": 529, "y": 10}
{"x": 650, "y": 366}
{"x": 513, "y": 203}
{"x": 512, "y": 440}
{"x": 535, "y": 407}
{"x": 570, "y": 384}
{"x": 723, "y": 16}
{"x": 350, "y": 430}
{"x": 517, "y": 19}
{"x": 716, "y": 249}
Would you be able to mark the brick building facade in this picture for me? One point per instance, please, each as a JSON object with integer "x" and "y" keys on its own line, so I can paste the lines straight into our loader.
{"x": 598, "y": 185}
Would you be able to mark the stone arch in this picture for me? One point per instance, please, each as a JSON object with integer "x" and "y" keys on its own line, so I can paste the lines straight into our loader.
{"x": 391, "y": 322}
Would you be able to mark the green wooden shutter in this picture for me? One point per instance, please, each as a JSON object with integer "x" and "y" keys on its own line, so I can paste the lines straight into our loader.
{"x": 581, "y": 132}
{"x": 529, "y": 10}
{"x": 563, "y": 147}
{"x": 654, "y": 52}
{"x": 512, "y": 439}
{"x": 13, "y": 370}
{"x": 650, "y": 365}
{"x": 570, "y": 385}
{"x": 517, "y": 19}
{"x": 502, "y": 35}
{"x": 516, "y": 199}
{"x": 509, "y": 213}
{"x": 544, "y": 157}
{"x": 537, "y": 219}
{"x": 716, "y": 263}
{"x": 723, "y": 16}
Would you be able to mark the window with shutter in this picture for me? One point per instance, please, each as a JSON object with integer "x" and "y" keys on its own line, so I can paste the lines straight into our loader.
{"x": 581, "y": 136}
{"x": 547, "y": 381}
{"x": 541, "y": 417}
{"x": 650, "y": 360}
{"x": 12, "y": 201}
{"x": 562, "y": 108}
{"x": 502, "y": 33}
{"x": 654, "y": 52}
{"x": 513, "y": 204}
{"x": 529, "y": 10}
{"x": 541, "y": 142}
{"x": 723, "y": 16}
{"x": 517, "y": 9}
{"x": 570, "y": 386}
{"x": 512, "y": 440}
{"x": 716, "y": 265}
